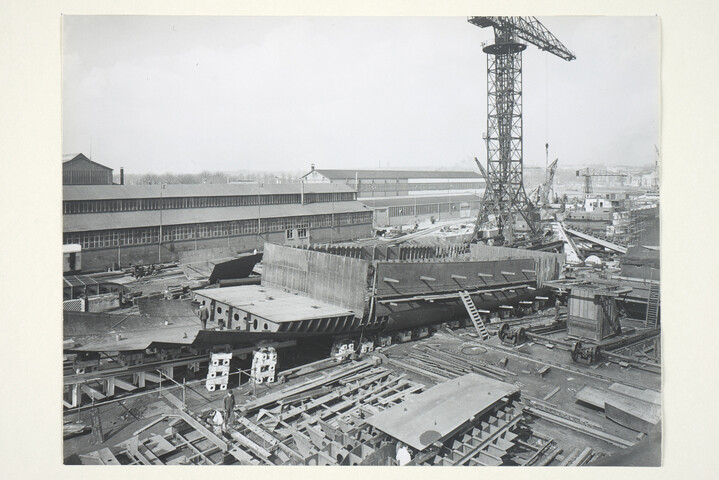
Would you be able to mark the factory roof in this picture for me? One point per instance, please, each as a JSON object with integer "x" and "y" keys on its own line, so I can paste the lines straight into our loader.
{"x": 69, "y": 158}
{"x": 379, "y": 174}
{"x": 418, "y": 200}
{"x": 151, "y": 218}
{"x": 116, "y": 192}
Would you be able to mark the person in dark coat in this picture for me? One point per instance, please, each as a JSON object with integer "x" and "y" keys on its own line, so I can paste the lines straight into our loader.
{"x": 204, "y": 315}
{"x": 229, "y": 404}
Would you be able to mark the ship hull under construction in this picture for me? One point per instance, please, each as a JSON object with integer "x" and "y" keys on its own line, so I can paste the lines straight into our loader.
{"x": 308, "y": 293}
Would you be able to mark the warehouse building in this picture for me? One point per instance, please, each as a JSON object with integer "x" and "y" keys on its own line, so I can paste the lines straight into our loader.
{"x": 77, "y": 169}
{"x": 144, "y": 224}
{"x": 400, "y": 197}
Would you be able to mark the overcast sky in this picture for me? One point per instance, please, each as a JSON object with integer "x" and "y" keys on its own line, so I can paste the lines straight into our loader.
{"x": 186, "y": 94}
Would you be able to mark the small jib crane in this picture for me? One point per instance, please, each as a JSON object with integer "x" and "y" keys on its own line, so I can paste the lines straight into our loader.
{"x": 504, "y": 195}
{"x": 540, "y": 195}
{"x": 588, "y": 173}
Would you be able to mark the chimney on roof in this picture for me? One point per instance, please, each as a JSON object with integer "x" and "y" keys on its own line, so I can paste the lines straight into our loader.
{"x": 312, "y": 167}
{"x": 122, "y": 175}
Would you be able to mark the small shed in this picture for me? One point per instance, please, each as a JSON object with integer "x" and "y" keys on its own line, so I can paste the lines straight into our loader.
{"x": 77, "y": 169}
{"x": 76, "y": 286}
{"x": 593, "y": 311}
{"x": 71, "y": 258}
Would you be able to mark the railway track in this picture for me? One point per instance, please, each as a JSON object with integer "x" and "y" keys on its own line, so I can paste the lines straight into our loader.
{"x": 559, "y": 366}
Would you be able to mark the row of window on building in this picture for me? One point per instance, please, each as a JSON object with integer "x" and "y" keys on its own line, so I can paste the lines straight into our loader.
{"x": 171, "y": 233}
{"x": 411, "y": 210}
{"x": 142, "y": 204}
{"x": 406, "y": 187}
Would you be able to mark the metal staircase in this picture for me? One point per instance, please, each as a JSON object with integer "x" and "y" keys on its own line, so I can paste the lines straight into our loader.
{"x": 652, "y": 318}
{"x": 474, "y": 315}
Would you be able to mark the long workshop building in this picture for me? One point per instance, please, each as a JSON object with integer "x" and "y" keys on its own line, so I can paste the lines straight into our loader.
{"x": 400, "y": 197}
{"x": 119, "y": 225}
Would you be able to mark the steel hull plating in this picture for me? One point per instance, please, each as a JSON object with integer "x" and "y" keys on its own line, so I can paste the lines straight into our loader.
{"x": 408, "y": 315}
{"x": 92, "y": 332}
{"x": 306, "y": 293}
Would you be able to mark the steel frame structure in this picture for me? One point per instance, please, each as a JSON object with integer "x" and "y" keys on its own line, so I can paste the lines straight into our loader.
{"x": 504, "y": 195}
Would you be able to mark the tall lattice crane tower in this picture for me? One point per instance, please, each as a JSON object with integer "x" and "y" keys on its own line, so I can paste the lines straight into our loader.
{"x": 504, "y": 196}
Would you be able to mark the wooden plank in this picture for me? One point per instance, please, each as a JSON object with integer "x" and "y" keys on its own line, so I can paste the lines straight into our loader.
{"x": 571, "y": 456}
{"x": 620, "y": 442}
{"x": 417, "y": 370}
{"x": 550, "y": 458}
{"x": 593, "y": 396}
{"x": 552, "y": 393}
{"x": 581, "y": 457}
{"x": 537, "y": 454}
{"x": 633, "y": 413}
{"x": 651, "y": 396}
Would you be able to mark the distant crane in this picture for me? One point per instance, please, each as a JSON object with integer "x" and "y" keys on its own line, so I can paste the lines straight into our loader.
{"x": 504, "y": 195}
{"x": 588, "y": 173}
{"x": 540, "y": 195}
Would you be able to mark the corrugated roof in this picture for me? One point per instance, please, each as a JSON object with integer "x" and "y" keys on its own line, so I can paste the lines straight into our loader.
{"x": 418, "y": 200}
{"x": 115, "y": 220}
{"x": 393, "y": 174}
{"x": 82, "y": 281}
{"x": 115, "y": 192}
{"x": 78, "y": 281}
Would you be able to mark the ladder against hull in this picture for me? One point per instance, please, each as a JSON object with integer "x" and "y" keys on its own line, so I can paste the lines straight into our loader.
{"x": 652, "y": 316}
{"x": 474, "y": 315}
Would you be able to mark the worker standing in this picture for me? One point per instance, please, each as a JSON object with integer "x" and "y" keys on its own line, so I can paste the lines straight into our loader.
{"x": 204, "y": 315}
{"x": 403, "y": 456}
{"x": 229, "y": 404}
